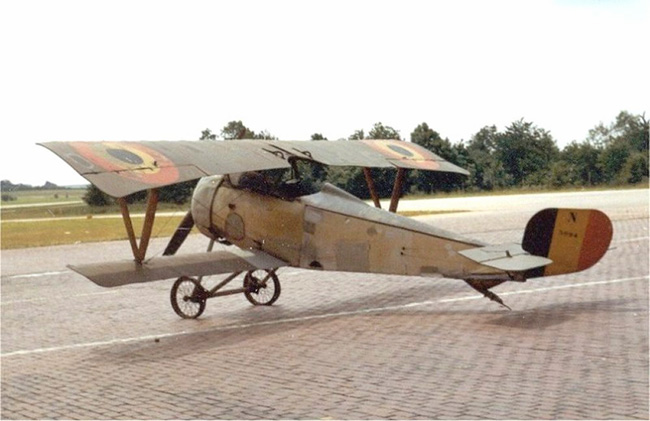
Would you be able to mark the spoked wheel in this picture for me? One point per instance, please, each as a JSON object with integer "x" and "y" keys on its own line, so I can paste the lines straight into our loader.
{"x": 261, "y": 287}
{"x": 188, "y": 297}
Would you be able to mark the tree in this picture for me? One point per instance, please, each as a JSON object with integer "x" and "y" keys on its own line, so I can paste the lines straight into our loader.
{"x": 264, "y": 134}
{"x": 208, "y": 135}
{"x": 620, "y": 141}
{"x": 526, "y": 153}
{"x": 379, "y": 131}
{"x": 644, "y": 133}
{"x": 96, "y": 197}
{"x": 357, "y": 135}
{"x": 236, "y": 130}
{"x": 486, "y": 171}
{"x": 179, "y": 194}
{"x": 635, "y": 169}
{"x": 581, "y": 161}
{"x": 612, "y": 159}
{"x": 633, "y": 129}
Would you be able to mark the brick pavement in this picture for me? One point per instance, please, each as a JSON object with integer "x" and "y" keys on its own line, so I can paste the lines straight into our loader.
{"x": 336, "y": 345}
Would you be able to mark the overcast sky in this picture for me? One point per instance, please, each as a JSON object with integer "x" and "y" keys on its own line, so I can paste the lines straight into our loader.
{"x": 158, "y": 70}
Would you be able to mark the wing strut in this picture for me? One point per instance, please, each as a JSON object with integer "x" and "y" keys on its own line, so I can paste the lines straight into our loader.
{"x": 140, "y": 250}
{"x": 397, "y": 188}
{"x": 371, "y": 186}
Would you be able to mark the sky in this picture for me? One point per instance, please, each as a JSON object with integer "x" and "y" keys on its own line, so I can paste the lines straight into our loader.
{"x": 166, "y": 70}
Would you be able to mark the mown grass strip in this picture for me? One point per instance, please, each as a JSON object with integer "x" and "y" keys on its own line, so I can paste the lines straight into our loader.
{"x": 71, "y": 231}
{"x": 414, "y": 213}
{"x": 22, "y": 197}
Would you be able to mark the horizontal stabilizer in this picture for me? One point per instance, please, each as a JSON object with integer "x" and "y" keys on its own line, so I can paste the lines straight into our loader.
{"x": 112, "y": 274}
{"x": 508, "y": 257}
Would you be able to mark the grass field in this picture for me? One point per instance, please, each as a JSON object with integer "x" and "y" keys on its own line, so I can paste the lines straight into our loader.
{"x": 26, "y": 197}
{"x": 37, "y": 233}
{"x": 52, "y": 217}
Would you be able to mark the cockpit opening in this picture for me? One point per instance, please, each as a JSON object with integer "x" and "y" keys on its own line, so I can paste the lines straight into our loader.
{"x": 284, "y": 183}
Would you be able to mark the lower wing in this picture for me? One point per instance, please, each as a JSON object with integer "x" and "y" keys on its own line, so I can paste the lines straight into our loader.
{"x": 112, "y": 274}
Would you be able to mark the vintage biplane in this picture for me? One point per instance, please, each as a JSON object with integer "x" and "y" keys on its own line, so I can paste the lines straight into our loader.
{"x": 251, "y": 198}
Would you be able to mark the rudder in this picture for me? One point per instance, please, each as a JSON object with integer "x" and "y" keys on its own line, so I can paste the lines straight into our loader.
{"x": 574, "y": 239}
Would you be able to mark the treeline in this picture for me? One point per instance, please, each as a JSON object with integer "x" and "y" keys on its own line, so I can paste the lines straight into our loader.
{"x": 6, "y": 187}
{"x": 522, "y": 155}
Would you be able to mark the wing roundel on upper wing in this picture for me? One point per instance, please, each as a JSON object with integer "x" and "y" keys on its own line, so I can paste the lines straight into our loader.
{"x": 122, "y": 168}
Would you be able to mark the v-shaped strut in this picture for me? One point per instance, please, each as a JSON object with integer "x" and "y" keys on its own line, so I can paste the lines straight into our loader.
{"x": 140, "y": 249}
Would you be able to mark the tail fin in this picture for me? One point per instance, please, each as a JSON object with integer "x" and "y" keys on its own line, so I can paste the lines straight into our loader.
{"x": 575, "y": 239}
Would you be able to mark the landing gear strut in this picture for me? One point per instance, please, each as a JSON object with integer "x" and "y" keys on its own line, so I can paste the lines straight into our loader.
{"x": 188, "y": 296}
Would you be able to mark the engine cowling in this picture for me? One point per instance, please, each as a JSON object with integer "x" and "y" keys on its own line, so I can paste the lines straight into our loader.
{"x": 202, "y": 199}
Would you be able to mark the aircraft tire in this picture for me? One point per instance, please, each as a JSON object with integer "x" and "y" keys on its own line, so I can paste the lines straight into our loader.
{"x": 258, "y": 294}
{"x": 188, "y": 297}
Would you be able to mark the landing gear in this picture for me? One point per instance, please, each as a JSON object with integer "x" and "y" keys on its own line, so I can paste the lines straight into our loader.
{"x": 261, "y": 287}
{"x": 188, "y": 296}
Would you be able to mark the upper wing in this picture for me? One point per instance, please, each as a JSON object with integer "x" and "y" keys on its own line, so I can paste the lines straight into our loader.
{"x": 368, "y": 153}
{"x": 112, "y": 274}
{"x": 122, "y": 168}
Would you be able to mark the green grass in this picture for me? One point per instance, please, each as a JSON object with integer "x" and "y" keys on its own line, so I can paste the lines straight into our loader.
{"x": 70, "y": 231}
{"x": 39, "y": 220}
{"x": 411, "y": 214}
{"x": 53, "y": 210}
{"x": 24, "y": 197}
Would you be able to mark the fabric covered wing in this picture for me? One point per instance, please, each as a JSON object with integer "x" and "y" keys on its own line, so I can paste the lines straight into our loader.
{"x": 372, "y": 153}
{"x": 122, "y": 168}
{"x": 112, "y": 274}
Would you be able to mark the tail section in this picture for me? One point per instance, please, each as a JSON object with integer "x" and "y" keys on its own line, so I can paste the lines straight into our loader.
{"x": 574, "y": 239}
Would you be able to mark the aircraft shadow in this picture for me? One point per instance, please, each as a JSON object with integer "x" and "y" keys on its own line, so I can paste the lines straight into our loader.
{"x": 549, "y": 315}
{"x": 257, "y": 323}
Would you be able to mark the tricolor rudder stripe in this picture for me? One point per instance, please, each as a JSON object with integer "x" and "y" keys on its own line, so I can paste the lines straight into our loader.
{"x": 575, "y": 239}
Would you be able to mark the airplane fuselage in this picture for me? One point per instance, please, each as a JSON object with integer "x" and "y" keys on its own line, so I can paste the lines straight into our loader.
{"x": 331, "y": 230}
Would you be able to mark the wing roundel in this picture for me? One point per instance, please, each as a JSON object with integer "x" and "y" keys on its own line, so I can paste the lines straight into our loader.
{"x": 122, "y": 168}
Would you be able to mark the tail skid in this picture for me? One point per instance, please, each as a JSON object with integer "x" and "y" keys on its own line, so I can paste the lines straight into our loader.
{"x": 483, "y": 287}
